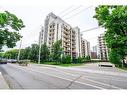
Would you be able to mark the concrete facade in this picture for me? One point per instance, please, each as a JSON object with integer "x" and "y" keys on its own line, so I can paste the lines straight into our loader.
{"x": 85, "y": 47}
{"x": 103, "y": 50}
{"x": 56, "y": 29}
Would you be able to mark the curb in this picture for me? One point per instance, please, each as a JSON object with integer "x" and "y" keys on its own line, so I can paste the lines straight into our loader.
{"x": 3, "y": 84}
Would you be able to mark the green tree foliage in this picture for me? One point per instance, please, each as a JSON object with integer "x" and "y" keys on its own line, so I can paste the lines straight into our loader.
{"x": 1, "y": 55}
{"x": 11, "y": 54}
{"x": 27, "y": 53}
{"x": 57, "y": 50}
{"x": 114, "y": 20}
{"x": 34, "y": 52}
{"x": 114, "y": 57}
{"x": 87, "y": 58}
{"x": 23, "y": 54}
{"x": 80, "y": 60}
{"x": 66, "y": 59}
{"x": 44, "y": 52}
{"x": 30, "y": 53}
{"x": 9, "y": 24}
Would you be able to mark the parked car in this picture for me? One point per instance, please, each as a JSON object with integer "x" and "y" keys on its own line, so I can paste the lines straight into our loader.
{"x": 11, "y": 61}
{"x": 3, "y": 61}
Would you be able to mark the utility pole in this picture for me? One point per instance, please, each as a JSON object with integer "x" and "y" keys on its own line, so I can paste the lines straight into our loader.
{"x": 40, "y": 43}
{"x": 39, "y": 53}
{"x": 19, "y": 51}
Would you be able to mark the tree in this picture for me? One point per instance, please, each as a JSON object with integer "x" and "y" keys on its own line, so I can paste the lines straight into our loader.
{"x": 87, "y": 58}
{"x": 9, "y": 24}
{"x": 27, "y": 52}
{"x": 57, "y": 50}
{"x": 34, "y": 52}
{"x": 1, "y": 55}
{"x": 80, "y": 59}
{"x": 23, "y": 54}
{"x": 114, "y": 57}
{"x": 114, "y": 20}
{"x": 44, "y": 52}
{"x": 66, "y": 59}
{"x": 11, "y": 54}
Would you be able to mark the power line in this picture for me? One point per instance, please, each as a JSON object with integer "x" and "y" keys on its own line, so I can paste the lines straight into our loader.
{"x": 65, "y": 10}
{"x": 74, "y": 10}
{"x": 71, "y": 11}
{"x": 92, "y": 38}
{"x": 68, "y": 12}
{"x": 91, "y": 29}
{"x": 78, "y": 12}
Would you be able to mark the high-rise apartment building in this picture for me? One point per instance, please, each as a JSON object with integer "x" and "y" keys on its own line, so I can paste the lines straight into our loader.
{"x": 56, "y": 29}
{"x": 85, "y": 47}
{"x": 103, "y": 50}
{"x": 41, "y": 36}
{"x": 95, "y": 52}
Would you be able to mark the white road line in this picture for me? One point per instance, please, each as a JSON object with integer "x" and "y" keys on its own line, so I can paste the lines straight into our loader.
{"x": 88, "y": 79}
{"x": 63, "y": 78}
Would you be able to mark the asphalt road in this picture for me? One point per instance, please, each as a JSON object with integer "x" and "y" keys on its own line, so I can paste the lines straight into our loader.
{"x": 43, "y": 77}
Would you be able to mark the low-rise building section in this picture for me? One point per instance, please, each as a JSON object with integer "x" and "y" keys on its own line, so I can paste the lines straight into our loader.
{"x": 41, "y": 36}
{"x": 93, "y": 55}
{"x": 94, "y": 52}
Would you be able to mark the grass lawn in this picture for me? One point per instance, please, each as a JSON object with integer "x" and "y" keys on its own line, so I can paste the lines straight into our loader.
{"x": 64, "y": 65}
{"x": 124, "y": 68}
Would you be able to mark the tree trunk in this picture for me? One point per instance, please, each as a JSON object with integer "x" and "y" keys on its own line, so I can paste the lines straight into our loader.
{"x": 123, "y": 63}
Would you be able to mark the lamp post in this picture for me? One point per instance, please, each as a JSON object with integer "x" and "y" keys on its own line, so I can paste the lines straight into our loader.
{"x": 40, "y": 43}
{"x": 19, "y": 51}
{"x": 39, "y": 53}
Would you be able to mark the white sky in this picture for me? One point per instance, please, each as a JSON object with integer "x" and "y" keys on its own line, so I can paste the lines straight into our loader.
{"x": 34, "y": 12}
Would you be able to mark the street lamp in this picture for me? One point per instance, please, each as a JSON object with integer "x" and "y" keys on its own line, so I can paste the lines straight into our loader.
{"x": 19, "y": 51}
{"x": 39, "y": 53}
{"x": 40, "y": 43}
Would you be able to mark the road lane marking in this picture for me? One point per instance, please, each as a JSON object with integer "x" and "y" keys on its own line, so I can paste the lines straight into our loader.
{"x": 62, "y": 78}
{"x": 89, "y": 79}
{"x": 109, "y": 85}
{"x": 93, "y": 77}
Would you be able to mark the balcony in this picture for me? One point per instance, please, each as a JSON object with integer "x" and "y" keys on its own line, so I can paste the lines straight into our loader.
{"x": 66, "y": 32}
{"x": 73, "y": 39}
{"x": 65, "y": 40}
{"x": 65, "y": 46}
{"x": 73, "y": 47}
{"x": 73, "y": 43}
{"x": 65, "y": 36}
{"x": 73, "y": 35}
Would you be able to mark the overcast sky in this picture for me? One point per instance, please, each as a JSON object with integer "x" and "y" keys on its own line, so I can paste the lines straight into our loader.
{"x": 34, "y": 16}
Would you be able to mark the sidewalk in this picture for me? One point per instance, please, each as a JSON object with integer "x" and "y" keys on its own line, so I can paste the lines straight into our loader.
{"x": 3, "y": 84}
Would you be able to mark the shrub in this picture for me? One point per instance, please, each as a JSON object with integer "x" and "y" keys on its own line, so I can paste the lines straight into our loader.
{"x": 87, "y": 57}
{"x": 66, "y": 59}
{"x": 114, "y": 58}
{"x": 80, "y": 60}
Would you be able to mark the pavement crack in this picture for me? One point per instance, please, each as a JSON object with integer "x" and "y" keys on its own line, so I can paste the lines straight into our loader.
{"x": 73, "y": 82}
